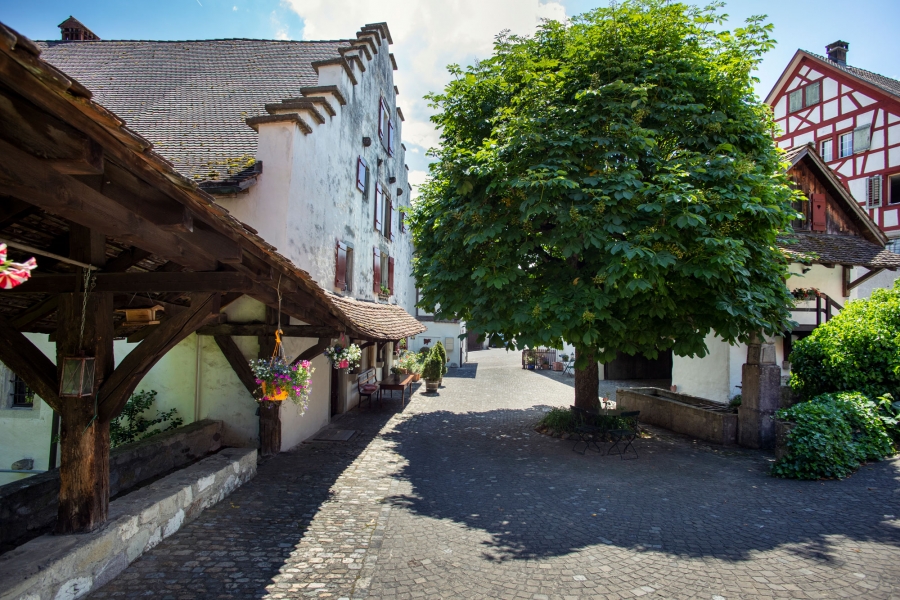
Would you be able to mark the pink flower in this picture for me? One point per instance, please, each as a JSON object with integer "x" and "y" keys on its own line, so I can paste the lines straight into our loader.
{"x": 344, "y": 364}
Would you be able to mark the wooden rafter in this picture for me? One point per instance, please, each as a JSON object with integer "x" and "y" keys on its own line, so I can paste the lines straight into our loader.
{"x": 153, "y": 281}
{"x": 238, "y": 363}
{"x": 257, "y": 329}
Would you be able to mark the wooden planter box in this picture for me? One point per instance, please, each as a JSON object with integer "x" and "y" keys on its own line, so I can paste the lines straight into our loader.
{"x": 557, "y": 366}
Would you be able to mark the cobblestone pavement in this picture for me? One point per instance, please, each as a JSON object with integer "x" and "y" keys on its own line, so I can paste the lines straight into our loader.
{"x": 457, "y": 497}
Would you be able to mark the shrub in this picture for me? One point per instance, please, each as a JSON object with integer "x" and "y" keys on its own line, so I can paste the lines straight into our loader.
{"x": 132, "y": 425}
{"x": 442, "y": 353}
{"x": 857, "y": 350}
{"x": 834, "y": 433}
{"x": 432, "y": 369}
{"x": 558, "y": 419}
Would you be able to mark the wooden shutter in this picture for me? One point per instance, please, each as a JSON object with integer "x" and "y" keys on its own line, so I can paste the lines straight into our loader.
{"x": 391, "y": 274}
{"x": 361, "y": 174}
{"x": 379, "y": 197}
{"x": 390, "y": 220}
{"x": 819, "y": 212}
{"x": 390, "y": 147}
{"x": 340, "y": 266}
{"x": 376, "y": 271}
{"x": 402, "y": 222}
{"x": 873, "y": 192}
{"x": 380, "y": 119}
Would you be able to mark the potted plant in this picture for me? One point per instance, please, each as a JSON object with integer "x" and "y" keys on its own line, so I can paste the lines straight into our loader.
{"x": 343, "y": 357}
{"x": 442, "y": 354}
{"x": 564, "y": 357}
{"x": 432, "y": 370}
{"x": 280, "y": 380}
{"x": 416, "y": 369}
{"x": 529, "y": 362}
{"x": 545, "y": 362}
{"x": 385, "y": 292}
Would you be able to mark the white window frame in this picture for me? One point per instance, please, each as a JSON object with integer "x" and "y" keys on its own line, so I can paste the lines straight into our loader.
{"x": 845, "y": 149}
{"x": 828, "y": 155}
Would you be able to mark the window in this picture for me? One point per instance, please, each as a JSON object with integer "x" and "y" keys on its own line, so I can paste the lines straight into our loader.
{"x": 362, "y": 175}
{"x": 343, "y": 269}
{"x": 894, "y": 189}
{"x": 382, "y": 273}
{"x": 846, "y": 145}
{"x": 861, "y": 138}
{"x": 387, "y": 217}
{"x": 795, "y": 100}
{"x": 812, "y": 94}
{"x": 382, "y": 115}
{"x": 379, "y": 199}
{"x": 873, "y": 192}
{"x": 21, "y": 396}
{"x": 827, "y": 150}
{"x": 390, "y": 144}
{"x": 403, "y": 214}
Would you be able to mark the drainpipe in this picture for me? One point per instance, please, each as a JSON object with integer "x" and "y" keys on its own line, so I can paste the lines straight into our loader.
{"x": 197, "y": 382}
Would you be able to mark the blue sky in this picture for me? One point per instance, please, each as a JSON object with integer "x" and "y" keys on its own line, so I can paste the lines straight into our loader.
{"x": 430, "y": 34}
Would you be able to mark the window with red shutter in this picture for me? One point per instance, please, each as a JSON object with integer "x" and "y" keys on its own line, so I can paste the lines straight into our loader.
{"x": 391, "y": 275}
{"x": 379, "y": 197}
{"x": 381, "y": 112}
{"x": 340, "y": 266}
{"x": 376, "y": 271}
{"x": 362, "y": 174}
{"x": 389, "y": 220}
{"x": 819, "y": 221}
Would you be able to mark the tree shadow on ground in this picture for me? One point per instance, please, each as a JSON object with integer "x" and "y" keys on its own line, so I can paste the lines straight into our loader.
{"x": 537, "y": 498}
{"x": 469, "y": 370}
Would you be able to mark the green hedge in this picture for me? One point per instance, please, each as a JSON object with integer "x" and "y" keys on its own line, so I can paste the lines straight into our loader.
{"x": 834, "y": 433}
{"x": 857, "y": 350}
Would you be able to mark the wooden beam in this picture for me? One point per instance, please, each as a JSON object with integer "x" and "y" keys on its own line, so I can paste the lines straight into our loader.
{"x": 87, "y": 161}
{"x": 849, "y": 285}
{"x": 116, "y": 390}
{"x": 27, "y": 178}
{"x": 257, "y": 329}
{"x": 154, "y": 281}
{"x": 11, "y": 210}
{"x": 25, "y": 360}
{"x": 238, "y": 363}
{"x": 314, "y": 351}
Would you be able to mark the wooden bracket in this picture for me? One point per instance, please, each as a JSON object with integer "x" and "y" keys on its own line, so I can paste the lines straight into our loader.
{"x": 849, "y": 285}
{"x": 238, "y": 363}
{"x": 25, "y": 360}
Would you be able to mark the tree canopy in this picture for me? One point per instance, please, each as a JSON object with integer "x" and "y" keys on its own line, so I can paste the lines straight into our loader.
{"x": 612, "y": 182}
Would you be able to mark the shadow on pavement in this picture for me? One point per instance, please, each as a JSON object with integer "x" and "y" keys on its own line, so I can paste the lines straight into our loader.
{"x": 536, "y": 498}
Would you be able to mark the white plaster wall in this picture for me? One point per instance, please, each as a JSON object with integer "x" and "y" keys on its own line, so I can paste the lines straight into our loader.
{"x": 440, "y": 331}
{"x": 295, "y": 427}
{"x": 708, "y": 377}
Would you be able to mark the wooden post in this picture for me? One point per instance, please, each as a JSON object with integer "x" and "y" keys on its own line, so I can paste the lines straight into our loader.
{"x": 269, "y": 412}
{"x": 84, "y": 439}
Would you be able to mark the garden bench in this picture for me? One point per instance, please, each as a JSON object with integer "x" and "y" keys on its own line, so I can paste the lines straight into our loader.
{"x": 367, "y": 385}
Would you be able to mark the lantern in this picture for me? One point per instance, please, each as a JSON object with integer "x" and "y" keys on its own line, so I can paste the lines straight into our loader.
{"x": 77, "y": 377}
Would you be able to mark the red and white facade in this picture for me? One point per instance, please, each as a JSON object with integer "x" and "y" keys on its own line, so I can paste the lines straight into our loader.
{"x": 853, "y": 123}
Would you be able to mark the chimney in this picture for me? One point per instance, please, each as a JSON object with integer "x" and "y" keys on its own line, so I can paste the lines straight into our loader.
{"x": 73, "y": 30}
{"x": 838, "y": 52}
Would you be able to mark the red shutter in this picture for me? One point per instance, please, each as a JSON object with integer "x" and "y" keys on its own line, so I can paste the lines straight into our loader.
{"x": 361, "y": 169}
{"x": 390, "y": 138}
{"x": 819, "y": 222}
{"x": 340, "y": 266}
{"x": 391, "y": 275}
{"x": 390, "y": 220}
{"x": 378, "y": 200}
{"x": 376, "y": 272}
{"x": 381, "y": 119}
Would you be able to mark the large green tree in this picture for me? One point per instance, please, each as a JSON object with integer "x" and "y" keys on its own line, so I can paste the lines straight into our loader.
{"x": 611, "y": 182}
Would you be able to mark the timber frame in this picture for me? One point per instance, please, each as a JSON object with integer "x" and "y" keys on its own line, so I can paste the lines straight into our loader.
{"x": 79, "y": 187}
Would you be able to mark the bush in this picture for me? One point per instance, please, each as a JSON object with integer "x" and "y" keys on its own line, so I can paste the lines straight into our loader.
{"x": 432, "y": 369}
{"x": 857, "y": 350}
{"x": 834, "y": 433}
{"x": 440, "y": 351}
{"x": 132, "y": 425}
{"x": 558, "y": 419}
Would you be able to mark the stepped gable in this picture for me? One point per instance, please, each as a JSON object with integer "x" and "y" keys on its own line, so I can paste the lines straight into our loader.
{"x": 191, "y": 98}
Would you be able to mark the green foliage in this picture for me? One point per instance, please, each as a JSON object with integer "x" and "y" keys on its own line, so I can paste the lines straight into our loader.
{"x": 858, "y": 349}
{"x": 432, "y": 368}
{"x": 611, "y": 182}
{"x": 132, "y": 425}
{"x": 834, "y": 433}
{"x": 558, "y": 418}
{"x": 442, "y": 353}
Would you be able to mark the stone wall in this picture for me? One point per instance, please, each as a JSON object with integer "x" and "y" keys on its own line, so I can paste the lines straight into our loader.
{"x": 689, "y": 415}
{"x": 70, "y": 566}
{"x": 28, "y": 507}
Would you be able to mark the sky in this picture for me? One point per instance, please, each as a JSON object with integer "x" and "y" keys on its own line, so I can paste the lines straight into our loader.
{"x": 430, "y": 34}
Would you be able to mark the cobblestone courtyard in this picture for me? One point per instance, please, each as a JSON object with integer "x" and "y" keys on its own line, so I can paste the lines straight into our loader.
{"x": 457, "y": 497}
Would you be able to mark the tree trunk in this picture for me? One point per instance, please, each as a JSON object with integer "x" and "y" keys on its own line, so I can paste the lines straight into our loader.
{"x": 84, "y": 441}
{"x": 587, "y": 381}
{"x": 270, "y": 428}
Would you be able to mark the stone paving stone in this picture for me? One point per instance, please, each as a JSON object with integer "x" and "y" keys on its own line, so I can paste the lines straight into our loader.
{"x": 457, "y": 497}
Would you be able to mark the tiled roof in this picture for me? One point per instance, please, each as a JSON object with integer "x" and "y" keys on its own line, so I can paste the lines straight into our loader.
{"x": 190, "y": 99}
{"x": 837, "y": 250}
{"x": 376, "y": 320}
{"x": 891, "y": 86}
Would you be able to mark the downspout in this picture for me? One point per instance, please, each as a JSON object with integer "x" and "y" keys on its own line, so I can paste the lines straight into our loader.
{"x": 197, "y": 382}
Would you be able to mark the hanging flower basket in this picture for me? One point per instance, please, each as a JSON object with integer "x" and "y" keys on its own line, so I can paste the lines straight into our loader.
{"x": 280, "y": 380}
{"x": 802, "y": 294}
{"x": 344, "y": 357}
{"x": 13, "y": 273}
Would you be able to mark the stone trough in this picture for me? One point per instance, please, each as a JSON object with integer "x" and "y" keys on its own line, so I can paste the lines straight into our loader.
{"x": 697, "y": 417}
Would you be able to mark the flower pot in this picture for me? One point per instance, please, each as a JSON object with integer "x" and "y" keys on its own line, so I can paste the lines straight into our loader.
{"x": 432, "y": 386}
{"x": 403, "y": 371}
{"x": 416, "y": 376}
{"x": 557, "y": 366}
{"x": 531, "y": 367}
{"x": 275, "y": 397}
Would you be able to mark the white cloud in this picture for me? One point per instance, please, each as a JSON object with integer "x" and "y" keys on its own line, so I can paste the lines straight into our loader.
{"x": 234, "y": 8}
{"x": 428, "y": 35}
{"x": 282, "y": 32}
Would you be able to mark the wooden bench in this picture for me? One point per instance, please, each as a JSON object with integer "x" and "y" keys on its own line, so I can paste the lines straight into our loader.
{"x": 367, "y": 385}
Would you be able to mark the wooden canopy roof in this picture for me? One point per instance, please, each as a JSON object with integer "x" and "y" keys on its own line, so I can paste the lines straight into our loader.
{"x": 67, "y": 164}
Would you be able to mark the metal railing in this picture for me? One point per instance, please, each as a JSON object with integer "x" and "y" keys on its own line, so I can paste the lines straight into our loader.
{"x": 825, "y": 306}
